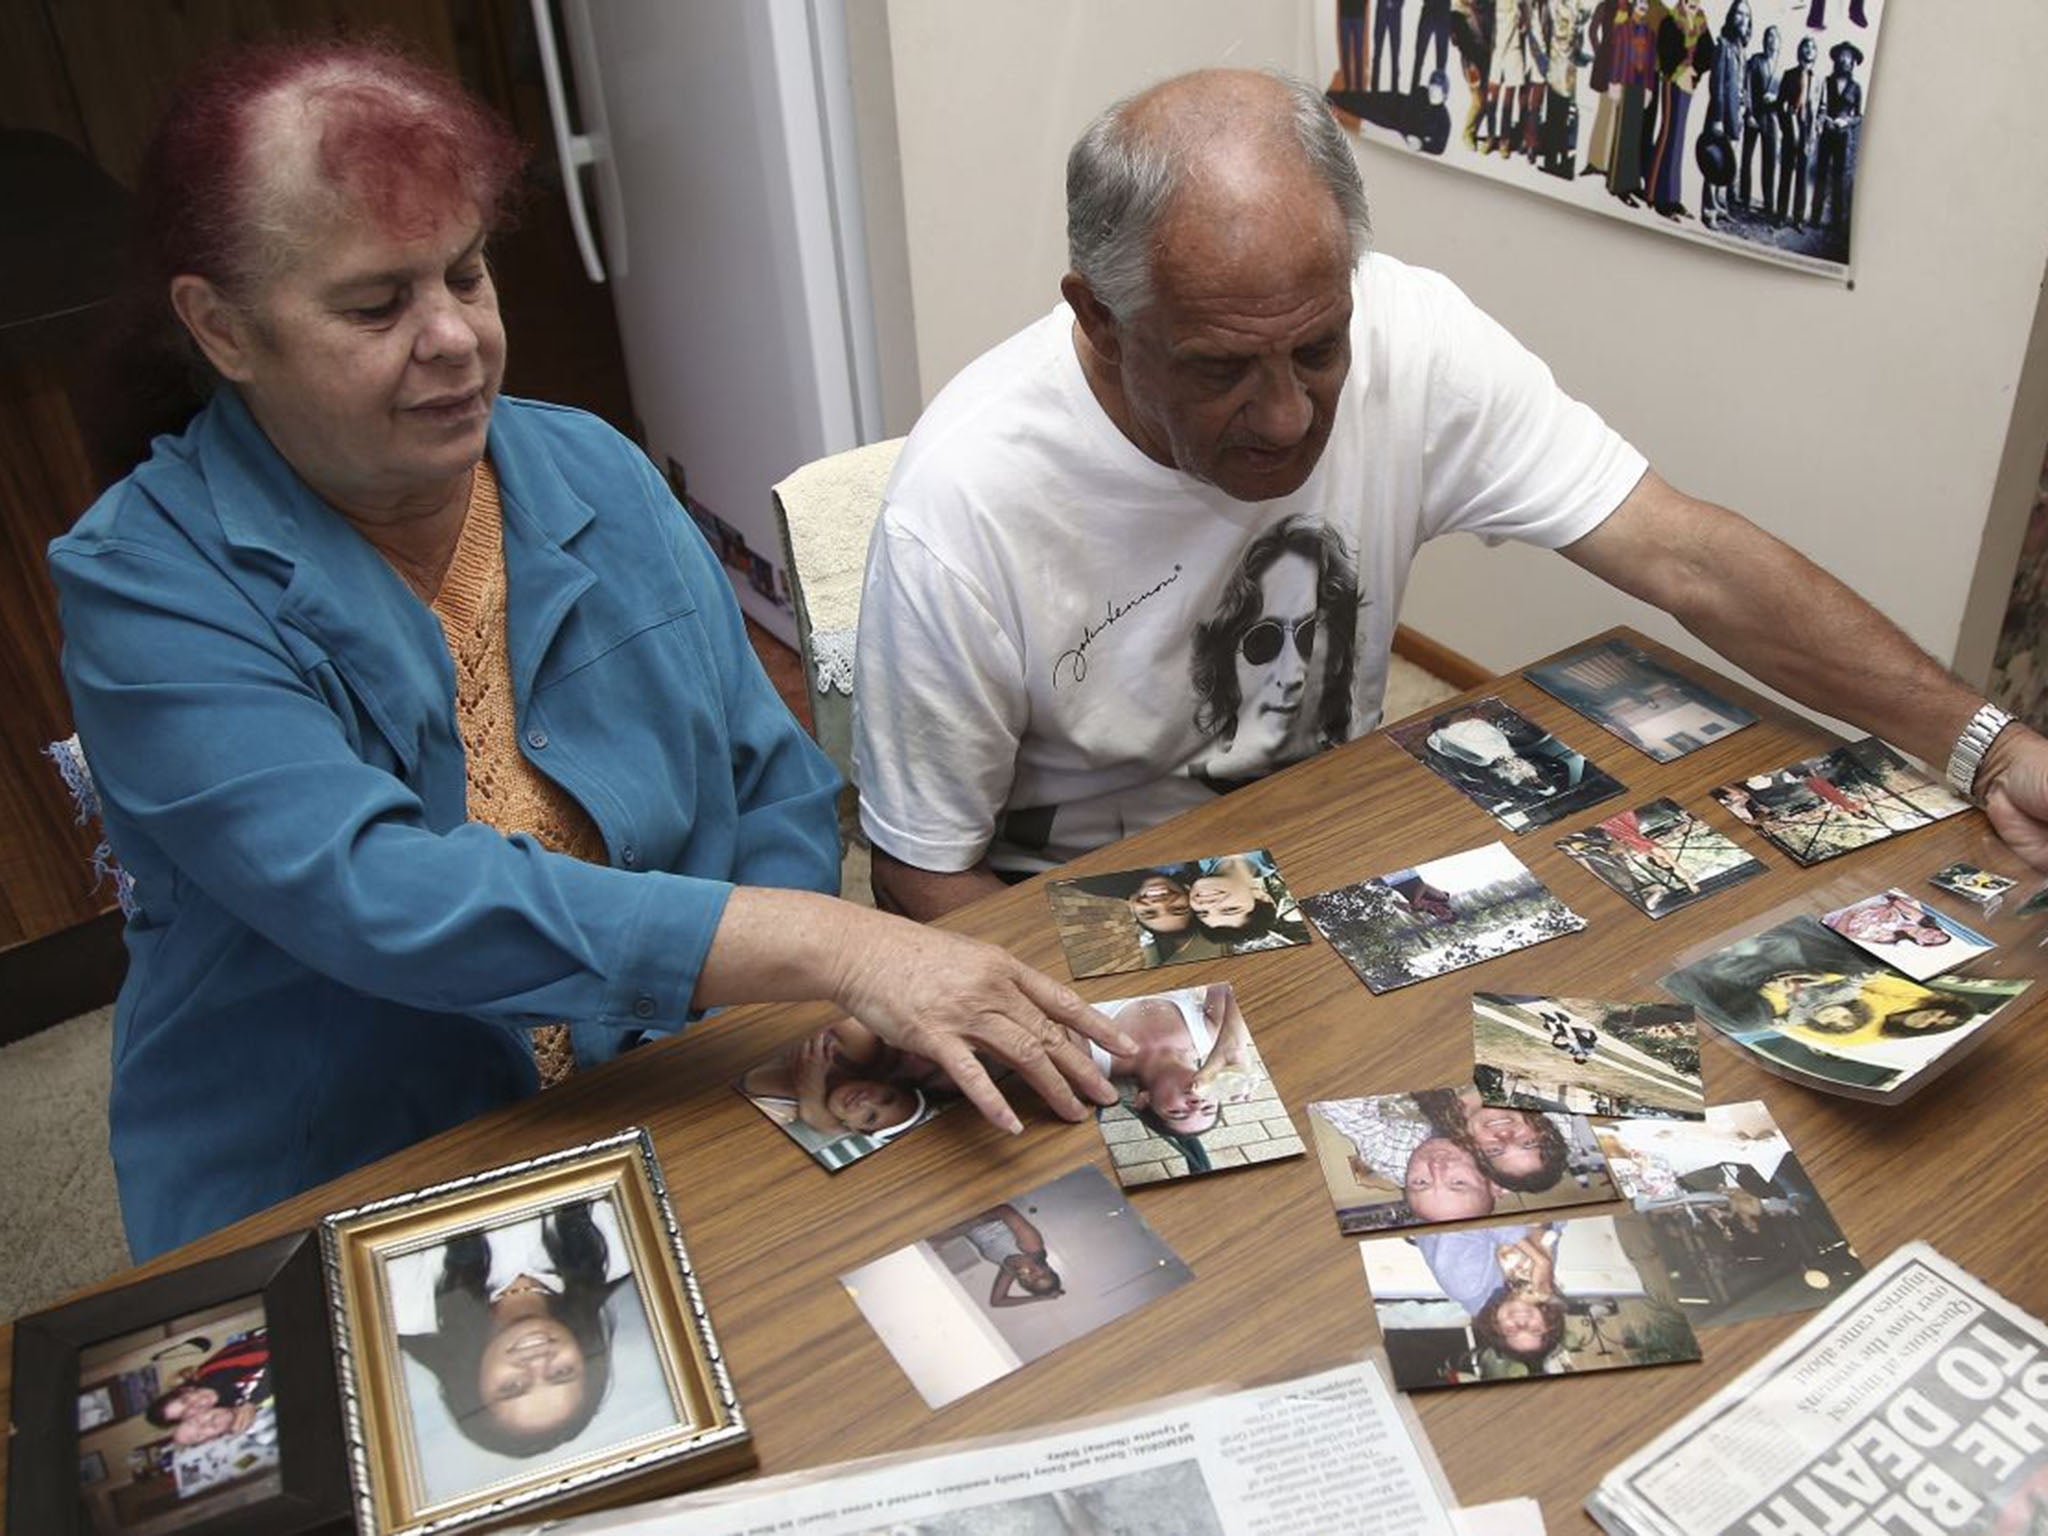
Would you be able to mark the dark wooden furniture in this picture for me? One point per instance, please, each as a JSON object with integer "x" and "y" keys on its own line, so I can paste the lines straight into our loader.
{"x": 1277, "y": 1290}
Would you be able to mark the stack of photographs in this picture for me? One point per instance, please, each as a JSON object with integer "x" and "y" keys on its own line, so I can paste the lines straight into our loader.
{"x": 1516, "y": 771}
{"x": 1444, "y": 1154}
{"x": 1575, "y": 1055}
{"x": 1810, "y": 1006}
{"x": 1622, "y": 689}
{"x": 1843, "y": 800}
{"x": 1660, "y": 857}
{"x": 1975, "y": 885}
{"x": 1743, "y": 1232}
{"x": 1411, "y": 924}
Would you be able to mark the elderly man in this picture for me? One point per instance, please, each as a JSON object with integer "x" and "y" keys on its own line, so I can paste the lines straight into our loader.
{"x": 1076, "y": 506}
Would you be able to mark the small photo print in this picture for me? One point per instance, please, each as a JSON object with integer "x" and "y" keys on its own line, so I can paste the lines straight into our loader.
{"x": 1513, "y": 769}
{"x": 1660, "y": 857}
{"x": 842, "y": 1094}
{"x": 1810, "y": 1004}
{"x": 525, "y": 1343}
{"x": 1622, "y": 689}
{"x": 1743, "y": 1232}
{"x": 177, "y": 1422}
{"x": 1442, "y": 1154}
{"x": 990, "y": 1293}
{"x": 1194, "y": 1097}
{"x": 1505, "y": 1303}
{"x": 1196, "y": 909}
{"x": 1971, "y": 883}
{"x": 1907, "y": 935}
{"x": 1843, "y": 800}
{"x": 1574, "y": 1055}
{"x": 1412, "y": 924}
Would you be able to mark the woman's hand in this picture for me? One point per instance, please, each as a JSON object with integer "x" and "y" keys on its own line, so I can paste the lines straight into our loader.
{"x": 920, "y": 989}
{"x": 946, "y": 997}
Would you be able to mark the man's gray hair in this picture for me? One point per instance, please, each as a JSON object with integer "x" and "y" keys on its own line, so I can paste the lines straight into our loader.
{"x": 1120, "y": 181}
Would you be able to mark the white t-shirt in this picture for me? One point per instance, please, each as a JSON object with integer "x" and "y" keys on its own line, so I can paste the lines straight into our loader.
{"x": 1029, "y": 626}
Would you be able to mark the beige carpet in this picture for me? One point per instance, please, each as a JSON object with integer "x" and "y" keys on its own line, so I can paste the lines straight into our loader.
{"x": 60, "y": 1228}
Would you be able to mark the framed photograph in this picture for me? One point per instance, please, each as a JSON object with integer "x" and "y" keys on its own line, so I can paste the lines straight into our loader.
{"x": 1512, "y": 768}
{"x": 200, "y": 1402}
{"x": 1624, "y": 690}
{"x": 1194, "y": 1098}
{"x": 525, "y": 1341}
{"x": 1170, "y": 914}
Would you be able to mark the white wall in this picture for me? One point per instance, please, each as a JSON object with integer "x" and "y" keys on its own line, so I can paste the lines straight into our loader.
{"x": 1866, "y": 425}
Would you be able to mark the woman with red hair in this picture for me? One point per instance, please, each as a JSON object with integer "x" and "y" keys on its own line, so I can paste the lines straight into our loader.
{"x": 424, "y": 720}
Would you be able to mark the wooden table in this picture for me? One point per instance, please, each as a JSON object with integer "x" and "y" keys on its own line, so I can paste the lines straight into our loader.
{"x": 1278, "y": 1291}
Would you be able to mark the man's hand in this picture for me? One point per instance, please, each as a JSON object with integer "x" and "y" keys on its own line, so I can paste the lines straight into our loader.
{"x": 2012, "y": 782}
{"x": 946, "y": 997}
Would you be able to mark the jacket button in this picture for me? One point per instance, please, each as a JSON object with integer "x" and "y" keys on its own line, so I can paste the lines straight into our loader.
{"x": 643, "y": 1007}
{"x": 536, "y": 738}
{"x": 629, "y": 856}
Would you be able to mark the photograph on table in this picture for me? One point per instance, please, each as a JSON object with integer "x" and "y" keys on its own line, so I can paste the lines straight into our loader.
{"x": 1743, "y": 1232}
{"x": 1660, "y": 857}
{"x": 1194, "y": 1097}
{"x": 1511, "y": 768}
{"x": 1575, "y": 1055}
{"x": 1848, "y": 798}
{"x": 1623, "y": 689}
{"x": 1979, "y": 886}
{"x": 1809, "y": 1005}
{"x": 524, "y": 1335}
{"x": 201, "y": 1402}
{"x": 1172, "y": 913}
{"x": 1504, "y": 1303}
{"x": 1412, "y": 924}
{"x": 988, "y": 1294}
{"x": 841, "y": 1094}
{"x": 1908, "y": 935}
{"x": 1444, "y": 1154}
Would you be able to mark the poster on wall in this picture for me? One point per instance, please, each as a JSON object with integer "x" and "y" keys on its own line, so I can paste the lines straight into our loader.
{"x": 1738, "y": 123}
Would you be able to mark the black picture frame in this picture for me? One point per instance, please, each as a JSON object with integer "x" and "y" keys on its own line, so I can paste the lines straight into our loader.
{"x": 42, "y": 1482}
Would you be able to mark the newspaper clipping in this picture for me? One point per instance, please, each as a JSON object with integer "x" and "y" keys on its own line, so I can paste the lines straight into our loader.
{"x": 1917, "y": 1403}
{"x": 1331, "y": 1452}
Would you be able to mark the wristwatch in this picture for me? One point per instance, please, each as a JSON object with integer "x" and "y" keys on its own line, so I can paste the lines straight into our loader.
{"x": 1970, "y": 747}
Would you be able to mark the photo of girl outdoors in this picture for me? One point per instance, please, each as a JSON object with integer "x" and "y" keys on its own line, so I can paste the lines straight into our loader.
{"x": 1195, "y": 909}
{"x": 1194, "y": 1073}
{"x": 524, "y": 1343}
{"x": 1441, "y": 1154}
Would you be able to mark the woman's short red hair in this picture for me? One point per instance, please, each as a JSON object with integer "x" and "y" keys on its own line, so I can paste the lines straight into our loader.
{"x": 397, "y": 139}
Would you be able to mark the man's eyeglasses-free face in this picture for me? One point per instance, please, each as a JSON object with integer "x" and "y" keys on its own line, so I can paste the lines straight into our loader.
{"x": 1262, "y": 642}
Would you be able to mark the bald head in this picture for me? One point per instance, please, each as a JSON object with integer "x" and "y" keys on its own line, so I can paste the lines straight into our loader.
{"x": 1219, "y": 148}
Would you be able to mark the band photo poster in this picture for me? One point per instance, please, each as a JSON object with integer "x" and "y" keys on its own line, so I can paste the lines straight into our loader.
{"x": 1736, "y": 123}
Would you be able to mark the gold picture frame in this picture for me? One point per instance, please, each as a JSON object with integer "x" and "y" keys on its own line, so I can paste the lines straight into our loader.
{"x": 524, "y": 1341}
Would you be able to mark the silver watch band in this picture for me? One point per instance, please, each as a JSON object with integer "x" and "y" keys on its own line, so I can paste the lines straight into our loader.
{"x": 1968, "y": 754}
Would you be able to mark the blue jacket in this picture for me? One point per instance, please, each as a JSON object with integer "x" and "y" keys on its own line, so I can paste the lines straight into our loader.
{"x": 330, "y": 961}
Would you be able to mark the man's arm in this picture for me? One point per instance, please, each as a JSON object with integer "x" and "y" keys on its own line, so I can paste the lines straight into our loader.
{"x": 925, "y": 894}
{"x": 1780, "y": 617}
